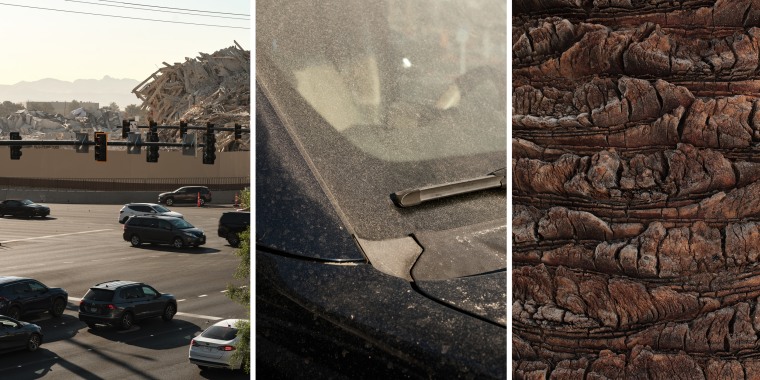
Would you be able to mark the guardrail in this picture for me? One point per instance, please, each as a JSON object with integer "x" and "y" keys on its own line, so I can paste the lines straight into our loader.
{"x": 125, "y": 184}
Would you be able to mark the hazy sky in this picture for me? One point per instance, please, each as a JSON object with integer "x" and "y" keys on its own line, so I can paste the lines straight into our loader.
{"x": 41, "y": 43}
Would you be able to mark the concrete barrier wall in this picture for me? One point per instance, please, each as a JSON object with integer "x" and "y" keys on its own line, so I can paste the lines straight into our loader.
{"x": 38, "y": 162}
{"x": 67, "y": 163}
{"x": 103, "y": 197}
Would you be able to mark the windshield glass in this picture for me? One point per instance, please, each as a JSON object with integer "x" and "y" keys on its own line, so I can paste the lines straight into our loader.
{"x": 27, "y": 202}
{"x": 159, "y": 208}
{"x": 389, "y": 95}
{"x": 180, "y": 224}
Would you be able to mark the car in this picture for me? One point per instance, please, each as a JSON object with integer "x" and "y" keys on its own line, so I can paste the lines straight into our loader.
{"x": 22, "y": 296}
{"x": 121, "y": 303}
{"x": 18, "y": 335}
{"x": 231, "y": 224}
{"x": 381, "y": 202}
{"x": 23, "y": 207}
{"x": 132, "y": 209}
{"x": 214, "y": 346}
{"x": 162, "y": 230}
{"x": 186, "y": 194}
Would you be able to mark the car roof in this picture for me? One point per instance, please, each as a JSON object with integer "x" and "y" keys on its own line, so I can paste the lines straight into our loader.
{"x": 9, "y": 279}
{"x": 141, "y": 204}
{"x": 114, "y": 284}
{"x": 166, "y": 217}
{"x": 227, "y": 323}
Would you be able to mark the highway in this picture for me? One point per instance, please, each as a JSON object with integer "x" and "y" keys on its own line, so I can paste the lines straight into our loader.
{"x": 78, "y": 246}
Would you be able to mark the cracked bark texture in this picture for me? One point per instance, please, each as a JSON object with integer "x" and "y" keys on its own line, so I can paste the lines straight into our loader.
{"x": 636, "y": 189}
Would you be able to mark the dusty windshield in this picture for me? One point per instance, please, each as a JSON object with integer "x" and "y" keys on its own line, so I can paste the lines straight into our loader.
{"x": 386, "y": 95}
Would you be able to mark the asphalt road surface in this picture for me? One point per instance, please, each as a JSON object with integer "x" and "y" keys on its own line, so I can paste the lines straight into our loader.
{"x": 78, "y": 246}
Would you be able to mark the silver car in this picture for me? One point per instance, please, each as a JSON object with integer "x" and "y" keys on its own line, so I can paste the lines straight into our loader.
{"x": 133, "y": 209}
{"x": 215, "y": 345}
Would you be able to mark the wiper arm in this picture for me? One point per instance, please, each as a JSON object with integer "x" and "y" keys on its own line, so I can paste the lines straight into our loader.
{"x": 413, "y": 197}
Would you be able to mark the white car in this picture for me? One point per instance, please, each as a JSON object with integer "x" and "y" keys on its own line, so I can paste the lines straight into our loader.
{"x": 132, "y": 209}
{"x": 215, "y": 345}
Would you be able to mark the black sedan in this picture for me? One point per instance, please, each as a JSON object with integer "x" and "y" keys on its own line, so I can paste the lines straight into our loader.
{"x": 17, "y": 335}
{"x": 23, "y": 207}
{"x": 381, "y": 209}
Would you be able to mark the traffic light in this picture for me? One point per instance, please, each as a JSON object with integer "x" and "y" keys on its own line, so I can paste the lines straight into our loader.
{"x": 238, "y": 131}
{"x": 15, "y": 149}
{"x": 209, "y": 149}
{"x": 101, "y": 143}
{"x": 152, "y": 152}
{"x": 124, "y": 129}
{"x": 182, "y": 128}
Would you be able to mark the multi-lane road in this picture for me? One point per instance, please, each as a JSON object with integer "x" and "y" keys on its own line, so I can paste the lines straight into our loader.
{"x": 80, "y": 245}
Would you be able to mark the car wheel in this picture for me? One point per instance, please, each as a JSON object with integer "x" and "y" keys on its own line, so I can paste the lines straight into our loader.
{"x": 14, "y": 313}
{"x": 135, "y": 240}
{"x": 178, "y": 243}
{"x": 34, "y": 342}
{"x": 203, "y": 202}
{"x": 233, "y": 239}
{"x": 169, "y": 201}
{"x": 127, "y": 320}
{"x": 169, "y": 312}
{"x": 59, "y": 305}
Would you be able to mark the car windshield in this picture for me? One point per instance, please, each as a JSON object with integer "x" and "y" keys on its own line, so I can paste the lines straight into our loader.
{"x": 220, "y": 333}
{"x": 160, "y": 208}
{"x": 180, "y": 224}
{"x": 389, "y": 95}
{"x": 27, "y": 202}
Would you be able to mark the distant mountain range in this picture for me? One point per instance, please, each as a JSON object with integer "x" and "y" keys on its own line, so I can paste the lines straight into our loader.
{"x": 103, "y": 91}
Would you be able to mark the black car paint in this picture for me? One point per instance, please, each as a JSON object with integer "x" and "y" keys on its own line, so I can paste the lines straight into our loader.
{"x": 94, "y": 310}
{"x": 320, "y": 301}
{"x": 15, "y": 334}
{"x": 186, "y": 194}
{"x": 15, "y": 207}
{"x": 231, "y": 224}
{"x": 158, "y": 235}
{"x": 29, "y": 301}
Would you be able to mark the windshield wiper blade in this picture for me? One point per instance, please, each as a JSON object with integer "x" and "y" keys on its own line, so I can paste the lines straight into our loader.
{"x": 413, "y": 197}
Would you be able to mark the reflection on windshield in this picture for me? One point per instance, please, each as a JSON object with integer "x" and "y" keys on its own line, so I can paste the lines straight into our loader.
{"x": 180, "y": 224}
{"x": 403, "y": 81}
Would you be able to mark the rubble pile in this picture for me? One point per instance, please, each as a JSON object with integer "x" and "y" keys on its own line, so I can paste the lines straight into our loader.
{"x": 212, "y": 88}
{"x": 39, "y": 125}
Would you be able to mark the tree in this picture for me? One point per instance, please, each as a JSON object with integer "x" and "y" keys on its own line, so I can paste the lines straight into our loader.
{"x": 242, "y": 295}
{"x": 114, "y": 107}
{"x": 7, "y": 108}
{"x": 133, "y": 111}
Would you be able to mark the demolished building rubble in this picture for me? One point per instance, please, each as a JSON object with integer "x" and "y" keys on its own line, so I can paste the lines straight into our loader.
{"x": 39, "y": 125}
{"x": 212, "y": 88}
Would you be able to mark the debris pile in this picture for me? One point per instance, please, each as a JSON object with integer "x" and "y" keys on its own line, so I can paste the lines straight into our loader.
{"x": 212, "y": 88}
{"x": 39, "y": 125}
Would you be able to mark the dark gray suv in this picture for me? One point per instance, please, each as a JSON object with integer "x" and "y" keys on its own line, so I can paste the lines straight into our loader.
{"x": 20, "y": 296}
{"x": 186, "y": 194}
{"x": 162, "y": 230}
{"x": 231, "y": 224}
{"x": 120, "y": 303}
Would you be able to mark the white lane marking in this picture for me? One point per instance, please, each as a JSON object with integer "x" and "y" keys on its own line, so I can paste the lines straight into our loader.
{"x": 189, "y": 315}
{"x": 202, "y": 295}
{"x": 181, "y": 300}
{"x": 52, "y": 236}
{"x": 198, "y": 316}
